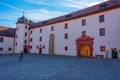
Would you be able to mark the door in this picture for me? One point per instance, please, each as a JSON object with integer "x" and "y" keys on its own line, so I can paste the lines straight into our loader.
{"x": 40, "y": 50}
{"x": 114, "y": 53}
{"x": 85, "y": 51}
{"x": 51, "y": 44}
{"x": 25, "y": 50}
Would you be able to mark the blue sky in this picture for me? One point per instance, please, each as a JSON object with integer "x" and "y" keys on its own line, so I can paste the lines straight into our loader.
{"x": 38, "y": 10}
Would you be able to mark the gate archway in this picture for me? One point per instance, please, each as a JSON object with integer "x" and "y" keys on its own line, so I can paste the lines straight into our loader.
{"x": 84, "y": 46}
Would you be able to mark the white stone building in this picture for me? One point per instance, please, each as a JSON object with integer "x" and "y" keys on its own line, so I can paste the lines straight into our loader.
{"x": 91, "y": 32}
{"x": 7, "y": 40}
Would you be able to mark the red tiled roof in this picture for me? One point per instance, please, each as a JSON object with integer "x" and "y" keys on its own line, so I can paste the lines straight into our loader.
{"x": 10, "y": 32}
{"x": 81, "y": 13}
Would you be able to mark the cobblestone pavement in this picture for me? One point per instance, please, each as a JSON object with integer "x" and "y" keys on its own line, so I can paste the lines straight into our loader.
{"x": 48, "y": 67}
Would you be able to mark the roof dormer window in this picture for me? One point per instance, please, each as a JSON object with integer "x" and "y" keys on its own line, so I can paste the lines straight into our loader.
{"x": 68, "y": 16}
{"x": 103, "y": 6}
{"x": 44, "y": 22}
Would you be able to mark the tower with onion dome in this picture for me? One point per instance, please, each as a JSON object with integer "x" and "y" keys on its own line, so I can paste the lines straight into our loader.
{"x": 22, "y": 35}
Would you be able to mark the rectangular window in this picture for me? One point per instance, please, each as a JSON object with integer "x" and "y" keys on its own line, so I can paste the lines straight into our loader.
{"x": 40, "y": 30}
{"x": 52, "y": 28}
{"x": 66, "y": 36}
{"x": 31, "y": 32}
{"x": 83, "y": 22}
{"x": 102, "y": 48}
{"x": 1, "y": 39}
{"x": 30, "y": 47}
{"x": 1, "y": 49}
{"x": 84, "y": 33}
{"x": 101, "y": 18}
{"x": 31, "y": 39}
{"x": 25, "y": 27}
{"x": 9, "y": 49}
{"x": 37, "y": 47}
{"x": 66, "y": 25}
{"x": 25, "y": 34}
{"x": 25, "y": 41}
{"x": 102, "y": 32}
{"x": 40, "y": 38}
{"x": 16, "y": 43}
{"x": 66, "y": 48}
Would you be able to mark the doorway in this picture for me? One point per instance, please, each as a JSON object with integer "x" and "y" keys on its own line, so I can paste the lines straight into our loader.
{"x": 51, "y": 44}
{"x": 114, "y": 53}
{"x": 25, "y": 50}
{"x": 85, "y": 51}
{"x": 40, "y": 50}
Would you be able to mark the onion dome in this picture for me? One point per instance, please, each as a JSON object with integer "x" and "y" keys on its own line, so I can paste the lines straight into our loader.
{"x": 22, "y": 20}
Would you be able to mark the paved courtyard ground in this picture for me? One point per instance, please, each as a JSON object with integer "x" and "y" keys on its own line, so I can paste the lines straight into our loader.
{"x": 46, "y": 67}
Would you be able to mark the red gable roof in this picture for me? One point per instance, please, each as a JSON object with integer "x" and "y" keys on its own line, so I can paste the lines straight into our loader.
{"x": 10, "y": 32}
{"x": 81, "y": 13}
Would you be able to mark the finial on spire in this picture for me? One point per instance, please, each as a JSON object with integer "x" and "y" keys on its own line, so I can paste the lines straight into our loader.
{"x": 23, "y": 13}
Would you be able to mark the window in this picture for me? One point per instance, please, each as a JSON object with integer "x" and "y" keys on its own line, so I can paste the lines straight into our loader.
{"x": 25, "y": 41}
{"x": 9, "y": 49}
{"x": 40, "y": 30}
{"x": 25, "y": 34}
{"x": 31, "y": 32}
{"x": 66, "y": 25}
{"x": 30, "y": 47}
{"x": 37, "y": 47}
{"x": 52, "y": 28}
{"x": 68, "y": 16}
{"x": 16, "y": 28}
{"x": 102, "y": 48}
{"x": 43, "y": 46}
{"x": 103, "y": 6}
{"x": 83, "y": 22}
{"x": 1, "y": 49}
{"x": 84, "y": 33}
{"x": 25, "y": 27}
{"x": 1, "y": 39}
{"x": 66, "y": 48}
{"x": 44, "y": 22}
{"x": 66, "y": 36}
{"x": 40, "y": 38}
{"x": 102, "y": 32}
{"x": 101, "y": 18}
{"x": 31, "y": 39}
{"x": 16, "y": 43}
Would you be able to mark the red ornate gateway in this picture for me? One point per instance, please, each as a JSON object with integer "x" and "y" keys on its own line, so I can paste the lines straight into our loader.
{"x": 84, "y": 46}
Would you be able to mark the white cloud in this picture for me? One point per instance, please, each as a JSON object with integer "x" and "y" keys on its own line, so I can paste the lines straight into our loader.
{"x": 12, "y": 7}
{"x": 42, "y": 14}
{"x": 80, "y": 4}
{"x": 38, "y": 2}
{"x": 67, "y": 3}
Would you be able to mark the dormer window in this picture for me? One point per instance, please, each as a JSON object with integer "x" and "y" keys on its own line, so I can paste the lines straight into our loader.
{"x": 103, "y": 6}
{"x": 68, "y": 16}
{"x": 44, "y": 22}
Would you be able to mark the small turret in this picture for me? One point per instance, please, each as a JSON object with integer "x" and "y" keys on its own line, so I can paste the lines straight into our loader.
{"x": 22, "y": 35}
{"x": 22, "y": 19}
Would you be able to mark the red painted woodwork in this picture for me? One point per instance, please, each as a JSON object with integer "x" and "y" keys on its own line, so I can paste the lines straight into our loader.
{"x": 84, "y": 40}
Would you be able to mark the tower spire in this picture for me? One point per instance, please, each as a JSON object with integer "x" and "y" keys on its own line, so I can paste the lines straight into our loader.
{"x": 23, "y": 13}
